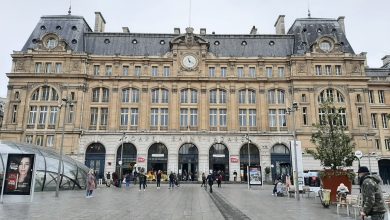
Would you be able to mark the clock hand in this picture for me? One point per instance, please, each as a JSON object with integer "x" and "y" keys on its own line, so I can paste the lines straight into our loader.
{"x": 189, "y": 60}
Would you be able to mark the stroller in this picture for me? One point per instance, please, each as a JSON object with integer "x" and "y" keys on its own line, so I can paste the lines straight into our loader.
{"x": 280, "y": 189}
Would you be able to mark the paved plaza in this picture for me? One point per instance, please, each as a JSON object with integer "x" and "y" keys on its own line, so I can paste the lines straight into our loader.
{"x": 189, "y": 201}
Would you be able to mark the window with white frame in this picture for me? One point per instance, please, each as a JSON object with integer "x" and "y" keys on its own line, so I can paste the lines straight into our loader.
{"x": 241, "y": 96}
{"x": 130, "y": 95}
{"x": 45, "y": 93}
{"x": 305, "y": 117}
{"x": 96, "y": 70}
{"x": 328, "y": 70}
{"x": 42, "y": 115}
{"x": 272, "y": 117}
{"x": 134, "y": 117}
{"x": 194, "y": 96}
{"x": 381, "y": 96}
{"x": 242, "y": 117}
{"x": 222, "y": 117}
{"x": 318, "y": 70}
{"x": 387, "y": 144}
{"x": 332, "y": 95}
{"x": 343, "y": 116}
{"x": 338, "y": 70}
{"x": 211, "y": 71}
{"x": 276, "y": 96}
{"x": 108, "y": 70}
{"x": 373, "y": 120}
{"x": 137, "y": 71}
{"x": 39, "y": 140}
{"x": 164, "y": 117}
{"x": 155, "y": 95}
{"x": 49, "y": 140}
{"x": 282, "y": 118}
{"x": 251, "y": 96}
{"x": 32, "y": 115}
{"x": 38, "y": 67}
{"x": 103, "y": 116}
{"x": 167, "y": 71}
{"x": 240, "y": 72}
{"x": 29, "y": 139}
{"x": 213, "y": 96}
{"x": 154, "y": 71}
{"x": 35, "y": 95}
{"x": 281, "y": 72}
{"x": 106, "y": 95}
{"x": 370, "y": 96}
{"x": 95, "y": 94}
{"x": 14, "y": 113}
{"x": 322, "y": 116}
{"x": 154, "y": 117}
{"x": 184, "y": 96}
{"x": 222, "y": 96}
{"x": 384, "y": 120}
{"x": 124, "y": 120}
{"x": 223, "y": 72}
{"x": 183, "y": 117}
{"x": 125, "y": 70}
{"x": 252, "y": 72}
{"x": 269, "y": 72}
{"x": 252, "y": 117}
{"x": 70, "y": 114}
{"x": 58, "y": 68}
{"x": 194, "y": 117}
{"x": 360, "y": 116}
{"x": 48, "y": 68}
{"x": 164, "y": 96}
{"x": 213, "y": 117}
{"x": 94, "y": 116}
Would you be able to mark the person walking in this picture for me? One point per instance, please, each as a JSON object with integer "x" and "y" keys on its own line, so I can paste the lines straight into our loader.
{"x": 127, "y": 180}
{"x": 158, "y": 179}
{"x": 203, "y": 181}
{"x": 235, "y": 176}
{"x": 171, "y": 180}
{"x": 108, "y": 179}
{"x": 91, "y": 183}
{"x": 373, "y": 202}
{"x": 141, "y": 180}
{"x": 219, "y": 180}
{"x": 210, "y": 180}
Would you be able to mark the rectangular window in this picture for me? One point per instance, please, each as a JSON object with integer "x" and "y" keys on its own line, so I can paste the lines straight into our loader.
{"x": 137, "y": 70}
{"x": 370, "y": 96}
{"x": 318, "y": 70}
{"x": 222, "y": 96}
{"x": 95, "y": 95}
{"x": 240, "y": 72}
{"x": 381, "y": 96}
{"x": 155, "y": 95}
{"x": 70, "y": 114}
{"x": 360, "y": 115}
{"x": 39, "y": 140}
{"x": 271, "y": 97}
{"x": 94, "y": 116}
{"x": 48, "y": 68}
{"x": 14, "y": 113}
{"x": 154, "y": 117}
{"x": 303, "y": 97}
{"x": 50, "y": 141}
{"x": 29, "y": 139}
{"x": 124, "y": 116}
{"x": 154, "y": 71}
{"x": 222, "y": 117}
{"x": 328, "y": 70}
{"x": 322, "y": 117}
{"x": 269, "y": 72}
{"x": 280, "y": 96}
{"x": 387, "y": 144}
{"x": 167, "y": 71}
{"x": 38, "y": 67}
{"x": 32, "y": 115}
{"x": 343, "y": 117}
{"x": 252, "y": 72}
{"x": 272, "y": 117}
{"x": 183, "y": 117}
{"x": 184, "y": 96}
{"x": 304, "y": 116}
{"x": 242, "y": 117}
{"x": 241, "y": 96}
{"x": 125, "y": 70}
{"x": 53, "y": 115}
{"x": 338, "y": 70}
{"x": 211, "y": 71}
{"x": 384, "y": 120}
{"x": 103, "y": 116}
{"x": 373, "y": 120}
{"x": 96, "y": 70}
{"x": 251, "y": 97}
{"x": 108, "y": 70}
{"x": 45, "y": 93}
{"x": 164, "y": 117}
{"x": 42, "y": 115}
{"x": 58, "y": 67}
{"x": 282, "y": 118}
{"x": 134, "y": 117}
{"x": 106, "y": 95}
{"x": 194, "y": 117}
{"x": 213, "y": 96}
{"x": 252, "y": 117}
{"x": 281, "y": 72}
{"x": 213, "y": 117}
{"x": 164, "y": 96}
{"x": 223, "y": 72}
{"x": 194, "y": 96}
{"x": 377, "y": 144}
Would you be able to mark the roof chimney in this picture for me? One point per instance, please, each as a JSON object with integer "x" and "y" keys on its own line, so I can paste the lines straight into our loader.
{"x": 176, "y": 30}
{"x": 279, "y": 25}
{"x": 340, "y": 20}
{"x": 125, "y": 30}
{"x": 386, "y": 61}
{"x": 253, "y": 31}
{"x": 99, "y": 22}
{"x": 203, "y": 31}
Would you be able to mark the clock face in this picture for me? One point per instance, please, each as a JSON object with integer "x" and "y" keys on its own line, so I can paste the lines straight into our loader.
{"x": 189, "y": 61}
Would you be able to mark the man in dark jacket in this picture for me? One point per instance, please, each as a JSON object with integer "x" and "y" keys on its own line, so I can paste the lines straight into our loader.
{"x": 210, "y": 180}
{"x": 171, "y": 181}
{"x": 373, "y": 202}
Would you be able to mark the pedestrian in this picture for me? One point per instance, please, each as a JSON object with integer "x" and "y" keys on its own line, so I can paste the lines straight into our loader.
{"x": 210, "y": 180}
{"x": 235, "y": 176}
{"x": 373, "y": 202}
{"x": 108, "y": 179}
{"x": 91, "y": 183}
{"x": 171, "y": 180}
{"x": 135, "y": 176}
{"x": 158, "y": 178}
{"x": 219, "y": 180}
{"x": 127, "y": 180}
{"x": 115, "y": 178}
{"x": 203, "y": 180}
{"x": 142, "y": 180}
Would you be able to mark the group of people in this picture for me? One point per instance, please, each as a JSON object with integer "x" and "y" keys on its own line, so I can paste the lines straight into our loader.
{"x": 210, "y": 180}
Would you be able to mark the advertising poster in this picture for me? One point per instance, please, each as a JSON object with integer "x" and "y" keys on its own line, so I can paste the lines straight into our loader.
{"x": 19, "y": 174}
{"x": 255, "y": 175}
{"x": 298, "y": 146}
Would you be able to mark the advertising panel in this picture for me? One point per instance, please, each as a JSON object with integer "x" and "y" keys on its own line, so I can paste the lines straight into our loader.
{"x": 19, "y": 174}
{"x": 255, "y": 175}
{"x": 298, "y": 146}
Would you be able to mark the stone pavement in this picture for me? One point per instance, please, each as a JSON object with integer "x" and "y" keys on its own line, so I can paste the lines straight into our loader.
{"x": 190, "y": 201}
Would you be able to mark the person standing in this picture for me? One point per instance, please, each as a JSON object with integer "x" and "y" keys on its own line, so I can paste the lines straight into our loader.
{"x": 210, "y": 180}
{"x": 373, "y": 202}
{"x": 219, "y": 180}
{"x": 142, "y": 180}
{"x": 203, "y": 180}
{"x": 91, "y": 183}
{"x": 171, "y": 180}
{"x": 108, "y": 179}
{"x": 127, "y": 180}
{"x": 235, "y": 176}
{"x": 158, "y": 179}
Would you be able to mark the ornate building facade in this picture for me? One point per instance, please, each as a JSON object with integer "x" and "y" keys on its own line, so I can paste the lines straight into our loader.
{"x": 192, "y": 102}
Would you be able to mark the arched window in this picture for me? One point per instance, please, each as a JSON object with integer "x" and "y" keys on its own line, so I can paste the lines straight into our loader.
{"x": 96, "y": 94}
{"x": 247, "y": 96}
{"x": 130, "y": 95}
{"x": 217, "y": 96}
{"x": 276, "y": 96}
{"x": 280, "y": 149}
{"x": 332, "y": 95}
{"x": 156, "y": 98}
{"x": 189, "y": 96}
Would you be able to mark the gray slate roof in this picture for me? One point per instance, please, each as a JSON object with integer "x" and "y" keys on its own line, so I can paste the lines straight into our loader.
{"x": 378, "y": 72}
{"x": 306, "y": 30}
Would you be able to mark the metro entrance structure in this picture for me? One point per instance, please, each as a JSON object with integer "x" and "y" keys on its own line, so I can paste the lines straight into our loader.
{"x": 183, "y": 101}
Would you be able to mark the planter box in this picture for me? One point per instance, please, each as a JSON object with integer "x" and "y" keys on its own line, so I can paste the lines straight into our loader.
{"x": 332, "y": 179}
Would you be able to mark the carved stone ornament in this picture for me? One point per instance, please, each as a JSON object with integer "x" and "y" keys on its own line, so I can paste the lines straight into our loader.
{"x": 20, "y": 65}
{"x": 356, "y": 68}
{"x": 189, "y": 37}
{"x": 75, "y": 65}
{"x": 301, "y": 67}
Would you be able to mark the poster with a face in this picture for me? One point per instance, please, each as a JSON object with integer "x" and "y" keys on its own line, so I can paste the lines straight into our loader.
{"x": 255, "y": 175}
{"x": 19, "y": 172}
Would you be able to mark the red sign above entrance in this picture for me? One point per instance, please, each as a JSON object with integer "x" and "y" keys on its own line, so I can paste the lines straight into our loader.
{"x": 233, "y": 159}
{"x": 141, "y": 159}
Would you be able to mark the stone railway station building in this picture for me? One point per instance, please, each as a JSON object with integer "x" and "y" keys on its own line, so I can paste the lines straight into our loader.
{"x": 184, "y": 101}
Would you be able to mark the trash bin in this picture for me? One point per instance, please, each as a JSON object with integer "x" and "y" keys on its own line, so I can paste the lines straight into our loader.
{"x": 325, "y": 197}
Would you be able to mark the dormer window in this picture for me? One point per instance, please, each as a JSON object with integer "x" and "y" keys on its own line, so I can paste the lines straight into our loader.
{"x": 325, "y": 46}
{"x": 51, "y": 43}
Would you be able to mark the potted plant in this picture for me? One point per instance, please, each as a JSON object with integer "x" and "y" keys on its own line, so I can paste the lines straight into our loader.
{"x": 334, "y": 148}
{"x": 267, "y": 171}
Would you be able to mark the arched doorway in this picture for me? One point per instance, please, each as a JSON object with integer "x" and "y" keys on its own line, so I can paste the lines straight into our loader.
{"x": 158, "y": 158}
{"x": 95, "y": 156}
{"x": 219, "y": 160}
{"x": 129, "y": 158}
{"x": 188, "y": 162}
{"x": 254, "y": 155}
{"x": 280, "y": 162}
{"x": 384, "y": 170}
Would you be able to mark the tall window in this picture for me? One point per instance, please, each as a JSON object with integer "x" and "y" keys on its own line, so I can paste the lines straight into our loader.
{"x": 58, "y": 68}
{"x": 130, "y": 95}
{"x": 252, "y": 72}
{"x": 108, "y": 70}
{"x": 106, "y": 95}
{"x": 124, "y": 116}
{"x": 53, "y": 115}
{"x": 318, "y": 70}
{"x": 269, "y": 72}
{"x": 328, "y": 70}
{"x": 137, "y": 71}
{"x": 338, "y": 70}
{"x": 211, "y": 71}
{"x": 343, "y": 116}
{"x": 194, "y": 117}
{"x": 221, "y": 94}
{"x": 164, "y": 117}
{"x": 134, "y": 117}
{"x": 384, "y": 120}
{"x": 42, "y": 115}
{"x": 164, "y": 96}
{"x": 222, "y": 117}
{"x": 360, "y": 115}
{"x": 167, "y": 71}
{"x": 96, "y": 70}
{"x": 32, "y": 115}
{"x": 14, "y": 113}
{"x": 241, "y": 96}
{"x": 154, "y": 117}
{"x": 370, "y": 96}
{"x": 223, "y": 72}
{"x": 70, "y": 114}
{"x": 213, "y": 117}
{"x": 358, "y": 98}
{"x": 276, "y": 96}
{"x": 381, "y": 96}
{"x": 303, "y": 98}
{"x": 94, "y": 116}
{"x": 281, "y": 72}
{"x": 154, "y": 71}
{"x": 39, "y": 140}
{"x": 377, "y": 144}
{"x": 194, "y": 96}
{"x": 304, "y": 116}
{"x": 38, "y": 67}
{"x": 242, "y": 117}
{"x": 272, "y": 117}
{"x": 213, "y": 96}
{"x": 125, "y": 70}
{"x": 373, "y": 120}
{"x": 48, "y": 68}
{"x": 184, "y": 96}
{"x": 95, "y": 94}
{"x": 387, "y": 144}
{"x": 155, "y": 95}
{"x": 252, "y": 118}
{"x": 183, "y": 117}
{"x": 50, "y": 141}
{"x": 240, "y": 72}
{"x": 282, "y": 118}
{"x": 104, "y": 116}
{"x": 45, "y": 93}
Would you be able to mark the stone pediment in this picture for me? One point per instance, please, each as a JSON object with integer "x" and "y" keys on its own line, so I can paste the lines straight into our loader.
{"x": 189, "y": 39}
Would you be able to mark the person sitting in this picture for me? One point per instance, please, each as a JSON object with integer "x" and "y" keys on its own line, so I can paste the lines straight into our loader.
{"x": 342, "y": 191}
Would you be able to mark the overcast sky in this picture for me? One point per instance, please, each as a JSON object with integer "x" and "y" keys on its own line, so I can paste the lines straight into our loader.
{"x": 367, "y": 22}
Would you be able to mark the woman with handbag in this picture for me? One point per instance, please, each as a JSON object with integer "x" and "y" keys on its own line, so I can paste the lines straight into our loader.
{"x": 91, "y": 183}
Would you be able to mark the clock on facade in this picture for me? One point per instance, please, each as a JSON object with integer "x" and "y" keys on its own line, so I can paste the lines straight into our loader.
{"x": 190, "y": 61}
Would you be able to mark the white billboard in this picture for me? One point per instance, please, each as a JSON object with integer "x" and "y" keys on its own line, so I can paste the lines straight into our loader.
{"x": 298, "y": 149}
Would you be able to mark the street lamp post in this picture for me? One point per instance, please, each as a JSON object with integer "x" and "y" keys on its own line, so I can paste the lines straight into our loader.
{"x": 65, "y": 102}
{"x": 121, "y": 161}
{"x": 369, "y": 153}
{"x": 249, "y": 159}
{"x": 292, "y": 111}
